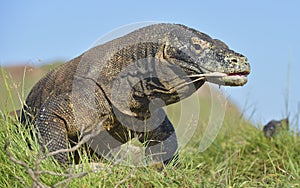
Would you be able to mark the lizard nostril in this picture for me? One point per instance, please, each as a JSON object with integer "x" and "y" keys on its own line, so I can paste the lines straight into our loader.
{"x": 231, "y": 59}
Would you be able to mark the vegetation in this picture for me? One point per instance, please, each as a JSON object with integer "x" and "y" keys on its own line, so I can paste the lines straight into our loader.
{"x": 240, "y": 156}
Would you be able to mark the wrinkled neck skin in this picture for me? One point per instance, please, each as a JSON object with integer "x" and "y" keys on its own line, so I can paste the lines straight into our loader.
{"x": 149, "y": 81}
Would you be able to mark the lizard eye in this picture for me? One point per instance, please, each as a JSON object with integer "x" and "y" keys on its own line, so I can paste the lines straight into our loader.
{"x": 197, "y": 44}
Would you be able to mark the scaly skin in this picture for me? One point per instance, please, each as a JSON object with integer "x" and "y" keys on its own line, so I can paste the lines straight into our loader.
{"x": 128, "y": 80}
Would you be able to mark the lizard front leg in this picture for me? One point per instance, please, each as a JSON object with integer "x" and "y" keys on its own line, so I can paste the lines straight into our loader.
{"x": 52, "y": 124}
{"x": 161, "y": 142}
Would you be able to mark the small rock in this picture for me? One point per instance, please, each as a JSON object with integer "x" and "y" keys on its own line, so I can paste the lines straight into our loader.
{"x": 274, "y": 127}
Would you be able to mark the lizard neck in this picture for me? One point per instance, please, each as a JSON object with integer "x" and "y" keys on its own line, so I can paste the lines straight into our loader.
{"x": 144, "y": 78}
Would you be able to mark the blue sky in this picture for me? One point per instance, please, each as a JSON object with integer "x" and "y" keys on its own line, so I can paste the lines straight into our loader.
{"x": 267, "y": 32}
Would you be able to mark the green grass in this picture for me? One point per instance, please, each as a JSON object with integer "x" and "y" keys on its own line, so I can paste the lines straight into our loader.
{"x": 240, "y": 156}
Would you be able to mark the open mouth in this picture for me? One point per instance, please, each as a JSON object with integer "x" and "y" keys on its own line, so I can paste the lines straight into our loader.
{"x": 233, "y": 79}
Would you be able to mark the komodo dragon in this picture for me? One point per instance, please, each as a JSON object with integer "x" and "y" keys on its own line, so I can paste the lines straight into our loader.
{"x": 126, "y": 82}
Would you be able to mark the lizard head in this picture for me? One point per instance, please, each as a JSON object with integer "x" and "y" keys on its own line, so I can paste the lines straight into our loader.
{"x": 207, "y": 58}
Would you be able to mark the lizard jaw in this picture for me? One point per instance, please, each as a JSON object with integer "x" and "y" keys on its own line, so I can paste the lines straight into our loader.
{"x": 238, "y": 79}
{"x": 235, "y": 80}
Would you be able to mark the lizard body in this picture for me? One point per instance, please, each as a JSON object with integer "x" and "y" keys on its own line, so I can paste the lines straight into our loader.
{"x": 128, "y": 80}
